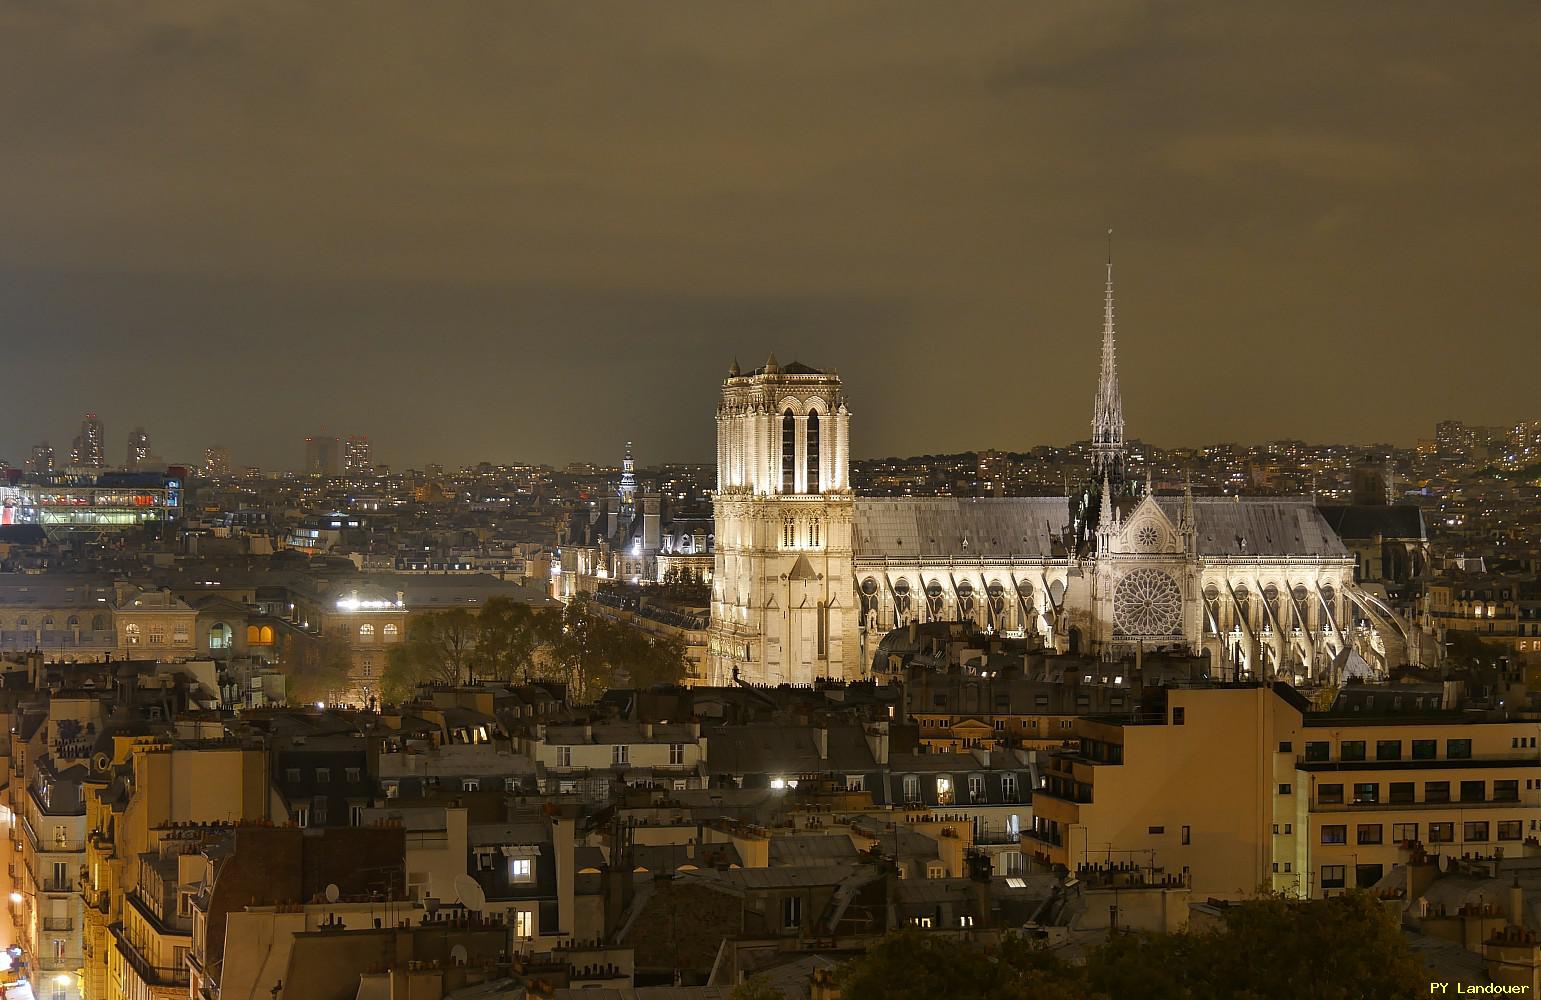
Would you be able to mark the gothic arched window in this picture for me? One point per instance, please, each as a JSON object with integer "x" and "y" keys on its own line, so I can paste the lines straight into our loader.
{"x": 788, "y": 452}
{"x": 814, "y": 486}
{"x": 1298, "y": 615}
{"x": 965, "y": 601}
{"x": 936, "y": 599}
{"x": 996, "y": 604}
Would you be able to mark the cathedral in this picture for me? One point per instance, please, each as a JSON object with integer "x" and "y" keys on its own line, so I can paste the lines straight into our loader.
{"x": 808, "y": 577}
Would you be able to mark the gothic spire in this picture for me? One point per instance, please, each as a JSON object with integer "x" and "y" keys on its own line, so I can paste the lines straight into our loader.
{"x": 1108, "y": 409}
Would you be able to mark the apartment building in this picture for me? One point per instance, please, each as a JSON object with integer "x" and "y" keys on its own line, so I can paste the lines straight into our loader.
{"x": 587, "y": 758}
{"x": 1242, "y": 787}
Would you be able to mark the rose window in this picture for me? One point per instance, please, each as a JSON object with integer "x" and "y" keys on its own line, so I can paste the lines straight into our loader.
{"x": 1148, "y": 536}
{"x": 1147, "y": 602}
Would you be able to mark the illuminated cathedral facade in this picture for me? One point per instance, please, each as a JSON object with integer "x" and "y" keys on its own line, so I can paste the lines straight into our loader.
{"x": 808, "y": 577}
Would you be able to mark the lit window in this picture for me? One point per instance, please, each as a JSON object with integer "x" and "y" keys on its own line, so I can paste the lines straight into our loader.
{"x": 521, "y": 870}
{"x": 131, "y": 633}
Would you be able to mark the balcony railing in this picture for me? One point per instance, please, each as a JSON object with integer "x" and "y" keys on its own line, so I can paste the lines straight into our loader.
{"x": 1446, "y": 805}
{"x": 993, "y": 837}
{"x": 58, "y": 923}
{"x": 1516, "y": 759}
{"x": 153, "y": 975}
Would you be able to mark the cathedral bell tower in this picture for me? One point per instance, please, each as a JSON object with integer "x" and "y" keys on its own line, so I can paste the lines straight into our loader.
{"x": 782, "y": 594}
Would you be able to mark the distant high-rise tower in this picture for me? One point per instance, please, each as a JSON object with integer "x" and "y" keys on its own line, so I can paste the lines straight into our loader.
{"x": 42, "y": 461}
{"x": 216, "y": 461}
{"x": 782, "y": 606}
{"x": 628, "y": 482}
{"x": 321, "y": 456}
{"x": 91, "y": 447}
{"x": 138, "y": 448}
{"x": 355, "y": 456}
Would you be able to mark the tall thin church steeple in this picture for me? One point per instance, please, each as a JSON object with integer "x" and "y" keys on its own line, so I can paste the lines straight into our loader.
{"x": 1108, "y": 409}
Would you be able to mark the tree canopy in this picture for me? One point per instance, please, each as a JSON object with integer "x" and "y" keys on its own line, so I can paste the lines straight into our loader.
{"x": 316, "y": 669}
{"x": 1270, "y": 948}
{"x": 576, "y": 644}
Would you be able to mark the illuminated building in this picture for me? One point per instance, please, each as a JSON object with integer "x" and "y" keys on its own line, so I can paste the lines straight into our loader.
{"x": 138, "y": 448}
{"x": 321, "y": 456}
{"x": 783, "y": 599}
{"x": 1245, "y": 785}
{"x": 42, "y": 461}
{"x": 628, "y": 490}
{"x": 808, "y": 577}
{"x": 68, "y": 508}
{"x": 216, "y": 462}
{"x": 355, "y": 456}
{"x": 90, "y": 448}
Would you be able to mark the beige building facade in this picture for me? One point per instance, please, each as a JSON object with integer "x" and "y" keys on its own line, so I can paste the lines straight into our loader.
{"x": 1241, "y": 787}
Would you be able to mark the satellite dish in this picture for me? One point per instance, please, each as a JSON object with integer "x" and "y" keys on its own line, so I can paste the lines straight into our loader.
{"x": 333, "y": 894}
{"x": 469, "y": 892}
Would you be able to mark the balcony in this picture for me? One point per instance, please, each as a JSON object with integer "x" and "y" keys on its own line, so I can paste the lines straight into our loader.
{"x": 1444, "y": 805}
{"x": 152, "y": 975}
{"x": 1529, "y": 758}
{"x": 991, "y": 838}
{"x": 58, "y": 923}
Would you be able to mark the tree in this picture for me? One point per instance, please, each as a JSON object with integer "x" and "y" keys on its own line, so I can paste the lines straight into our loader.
{"x": 437, "y": 649}
{"x": 1338, "y": 948}
{"x": 507, "y": 636}
{"x": 1270, "y": 948}
{"x": 591, "y": 651}
{"x": 914, "y": 965}
{"x": 649, "y": 659}
{"x": 583, "y": 646}
{"x": 317, "y": 669}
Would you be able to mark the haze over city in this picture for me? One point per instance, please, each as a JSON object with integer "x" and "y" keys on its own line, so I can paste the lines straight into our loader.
{"x": 532, "y": 231}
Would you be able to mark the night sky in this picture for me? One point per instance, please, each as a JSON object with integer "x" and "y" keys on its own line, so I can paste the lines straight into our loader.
{"x": 513, "y": 231}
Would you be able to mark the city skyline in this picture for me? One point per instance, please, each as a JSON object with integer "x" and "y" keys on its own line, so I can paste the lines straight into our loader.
{"x": 501, "y": 228}
{"x": 617, "y": 461}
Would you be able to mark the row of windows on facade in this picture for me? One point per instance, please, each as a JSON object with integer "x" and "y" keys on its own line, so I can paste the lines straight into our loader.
{"x": 366, "y": 632}
{"x": 620, "y": 753}
{"x": 1354, "y": 750}
{"x": 1000, "y": 725}
{"x": 134, "y": 635}
{"x": 393, "y": 788}
{"x": 946, "y": 793}
{"x": 1402, "y": 792}
{"x": 799, "y": 534}
{"x": 1473, "y": 832}
{"x": 98, "y": 622}
{"x": 222, "y": 636}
